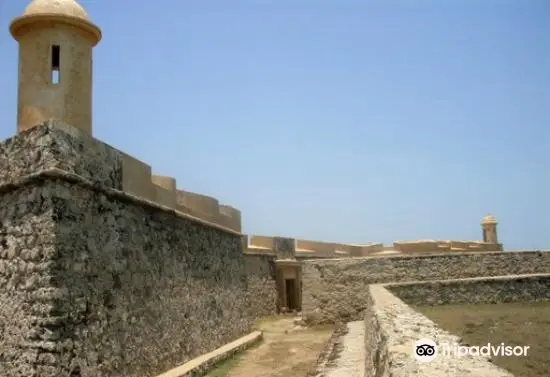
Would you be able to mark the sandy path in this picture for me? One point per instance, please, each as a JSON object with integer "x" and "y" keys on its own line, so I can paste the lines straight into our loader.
{"x": 286, "y": 351}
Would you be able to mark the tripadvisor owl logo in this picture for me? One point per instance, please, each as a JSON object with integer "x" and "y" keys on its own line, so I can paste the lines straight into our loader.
{"x": 425, "y": 350}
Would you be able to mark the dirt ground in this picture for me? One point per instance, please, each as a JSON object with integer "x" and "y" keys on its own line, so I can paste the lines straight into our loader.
{"x": 521, "y": 324}
{"x": 286, "y": 351}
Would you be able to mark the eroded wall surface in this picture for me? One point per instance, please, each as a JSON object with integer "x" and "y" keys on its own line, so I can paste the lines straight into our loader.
{"x": 94, "y": 282}
{"x": 262, "y": 288}
{"x": 333, "y": 289}
{"x": 56, "y": 145}
{"x": 29, "y": 326}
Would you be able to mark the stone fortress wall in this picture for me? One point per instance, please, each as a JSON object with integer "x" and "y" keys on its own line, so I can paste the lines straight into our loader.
{"x": 266, "y": 284}
{"x": 335, "y": 289}
{"x": 391, "y": 326}
{"x": 381, "y": 343}
{"x": 480, "y": 290}
{"x": 108, "y": 269}
{"x": 121, "y": 268}
{"x": 96, "y": 281}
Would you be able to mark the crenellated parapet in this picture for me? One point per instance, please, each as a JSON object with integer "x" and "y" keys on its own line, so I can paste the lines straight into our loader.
{"x": 433, "y": 246}
{"x": 362, "y": 250}
{"x": 138, "y": 180}
{"x": 305, "y": 249}
{"x": 209, "y": 209}
{"x": 319, "y": 249}
{"x": 133, "y": 176}
{"x": 256, "y": 242}
{"x": 202, "y": 206}
{"x": 285, "y": 248}
{"x": 308, "y": 249}
{"x": 198, "y": 205}
{"x": 230, "y": 217}
{"x": 417, "y": 246}
{"x": 136, "y": 177}
{"x": 165, "y": 190}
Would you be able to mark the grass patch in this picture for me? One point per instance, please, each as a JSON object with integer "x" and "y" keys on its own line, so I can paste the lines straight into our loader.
{"x": 515, "y": 324}
{"x": 223, "y": 368}
{"x": 286, "y": 350}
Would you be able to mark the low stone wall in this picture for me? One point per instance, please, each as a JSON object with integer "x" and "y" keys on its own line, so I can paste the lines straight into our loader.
{"x": 317, "y": 246}
{"x": 204, "y": 363}
{"x": 262, "y": 289}
{"x": 391, "y": 330}
{"x": 96, "y": 282}
{"x": 489, "y": 290}
{"x": 333, "y": 289}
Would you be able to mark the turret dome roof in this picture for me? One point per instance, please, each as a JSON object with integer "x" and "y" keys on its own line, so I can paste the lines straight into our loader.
{"x": 58, "y": 7}
{"x": 489, "y": 219}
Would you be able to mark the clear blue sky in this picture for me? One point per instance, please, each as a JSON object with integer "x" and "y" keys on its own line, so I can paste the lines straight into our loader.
{"x": 352, "y": 121}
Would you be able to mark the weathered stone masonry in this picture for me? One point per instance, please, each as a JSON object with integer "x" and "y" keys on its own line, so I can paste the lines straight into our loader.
{"x": 392, "y": 326}
{"x": 391, "y": 329}
{"x": 262, "y": 288}
{"x": 334, "y": 289}
{"x": 490, "y": 290}
{"x": 269, "y": 274}
{"x": 95, "y": 282}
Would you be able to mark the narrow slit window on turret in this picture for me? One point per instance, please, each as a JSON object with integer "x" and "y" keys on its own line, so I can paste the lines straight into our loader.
{"x": 55, "y": 64}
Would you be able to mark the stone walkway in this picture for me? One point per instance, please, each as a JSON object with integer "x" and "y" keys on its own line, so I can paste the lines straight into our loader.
{"x": 351, "y": 359}
{"x": 286, "y": 351}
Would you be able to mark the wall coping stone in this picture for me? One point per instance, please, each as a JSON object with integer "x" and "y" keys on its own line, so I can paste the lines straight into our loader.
{"x": 55, "y": 173}
{"x": 466, "y": 280}
{"x": 417, "y": 256}
{"x": 481, "y": 290}
{"x": 200, "y": 365}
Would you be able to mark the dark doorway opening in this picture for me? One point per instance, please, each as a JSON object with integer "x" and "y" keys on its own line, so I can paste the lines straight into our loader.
{"x": 291, "y": 297}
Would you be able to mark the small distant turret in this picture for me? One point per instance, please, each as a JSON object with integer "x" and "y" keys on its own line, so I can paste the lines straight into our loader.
{"x": 489, "y": 227}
